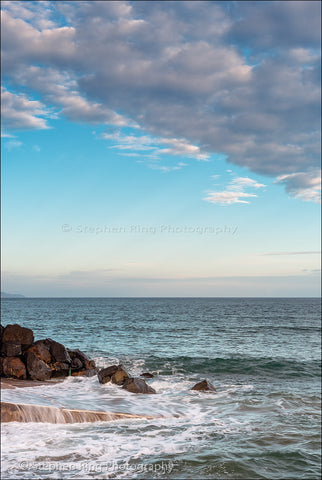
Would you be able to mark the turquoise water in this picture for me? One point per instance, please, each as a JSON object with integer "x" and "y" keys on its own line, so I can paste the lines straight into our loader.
{"x": 262, "y": 355}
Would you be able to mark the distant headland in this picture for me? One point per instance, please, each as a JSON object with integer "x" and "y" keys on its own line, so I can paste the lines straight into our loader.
{"x": 11, "y": 295}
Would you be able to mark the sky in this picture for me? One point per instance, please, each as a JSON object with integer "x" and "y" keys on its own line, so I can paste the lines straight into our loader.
{"x": 161, "y": 148}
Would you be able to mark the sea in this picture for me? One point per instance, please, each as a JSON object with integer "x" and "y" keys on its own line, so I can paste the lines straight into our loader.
{"x": 263, "y": 355}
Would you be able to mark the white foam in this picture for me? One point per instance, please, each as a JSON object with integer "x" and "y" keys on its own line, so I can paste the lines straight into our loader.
{"x": 200, "y": 416}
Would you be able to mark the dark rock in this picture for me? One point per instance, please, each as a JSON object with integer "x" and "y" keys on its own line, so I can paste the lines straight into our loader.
{"x": 204, "y": 386}
{"x": 58, "y": 351}
{"x": 79, "y": 373}
{"x": 11, "y": 349}
{"x": 60, "y": 369}
{"x": 147, "y": 375}
{"x": 87, "y": 362}
{"x": 137, "y": 385}
{"x": 84, "y": 373}
{"x": 90, "y": 365}
{"x": 119, "y": 376}
{"x": 1, "y": 332}
{"x": 36, "y": 368}
{"x": 41, "y": 350}
{"x": 115, "y": 374}
{"x": 77, "y": 364}
{"x": 14, "y": 367}
{"x": 16, "y": 334}
{"x": 105, "y": 374}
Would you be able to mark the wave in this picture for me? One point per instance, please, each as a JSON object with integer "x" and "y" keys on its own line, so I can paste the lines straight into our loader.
{"x": 251, "y": 366}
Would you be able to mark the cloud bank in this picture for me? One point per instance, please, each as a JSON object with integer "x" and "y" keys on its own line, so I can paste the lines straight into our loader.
{"x": 236, "y": 78}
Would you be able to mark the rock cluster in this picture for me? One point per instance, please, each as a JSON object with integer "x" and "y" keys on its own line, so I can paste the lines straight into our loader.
{"x": 116, "y": 374}
{"x": 23, "y": 358}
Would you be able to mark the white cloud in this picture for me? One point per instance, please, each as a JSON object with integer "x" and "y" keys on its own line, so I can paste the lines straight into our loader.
{"x": 305, "y": 186}
{"x": 19, "y": 112}
{"x": 228, "y": 197}
{"x": 234, "y": 192}
{"x": 240, "y": 183}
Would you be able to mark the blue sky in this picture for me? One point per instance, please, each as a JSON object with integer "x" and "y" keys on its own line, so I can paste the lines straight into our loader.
{"x": 161, "y": 148}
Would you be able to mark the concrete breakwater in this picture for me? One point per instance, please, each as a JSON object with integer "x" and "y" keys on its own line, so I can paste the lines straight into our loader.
{"x": 15, "y": 412}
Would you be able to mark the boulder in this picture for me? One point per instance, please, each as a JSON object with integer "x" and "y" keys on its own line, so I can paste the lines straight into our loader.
{"x": 204, "y": 386}
{"x": 147, "y": 375}
{"x": 41, "y": 350}
{"x": 105, "y": 375}
{"x": 11, "y": 349}
{"x": 76, "y": 364}
{"x": 17, "y": 334}
{"x": 119, "y": 376}
{"x": 37, "y": 368}
{"x": 114, "y": 374}
{"x": 137, "y": 385}
{"x": 58, "y": 351}
{"x": 1, "y": 332}
{"x": 82, "y": 357}
{"x": 60, "y": 369}
{"x": 14, "y": 367}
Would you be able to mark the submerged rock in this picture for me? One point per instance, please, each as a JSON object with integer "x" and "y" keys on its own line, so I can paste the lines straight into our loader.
{"x": 17, "y": 334}
{"x": 204, "y": 386}
{"x": 137, "y": 385}
{"x": 14, "y": 367}
{"x": 147, "y": 375}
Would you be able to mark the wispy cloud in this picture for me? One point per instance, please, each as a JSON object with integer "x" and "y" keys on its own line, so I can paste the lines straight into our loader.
{"x": 6, "y": 135}
{"x": 235, "y": 192}
{"x": 166, "y": 169}
{"x": 292, "y": 253}
{"x": 153, "y": 147}
{"x": 11, "y": 144}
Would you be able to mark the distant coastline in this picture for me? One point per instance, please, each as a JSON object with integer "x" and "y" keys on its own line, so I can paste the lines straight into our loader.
{"x": 11, "y": 295}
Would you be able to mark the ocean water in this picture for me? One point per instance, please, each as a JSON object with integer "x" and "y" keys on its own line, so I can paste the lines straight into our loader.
{"x": 262, "y": 355}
